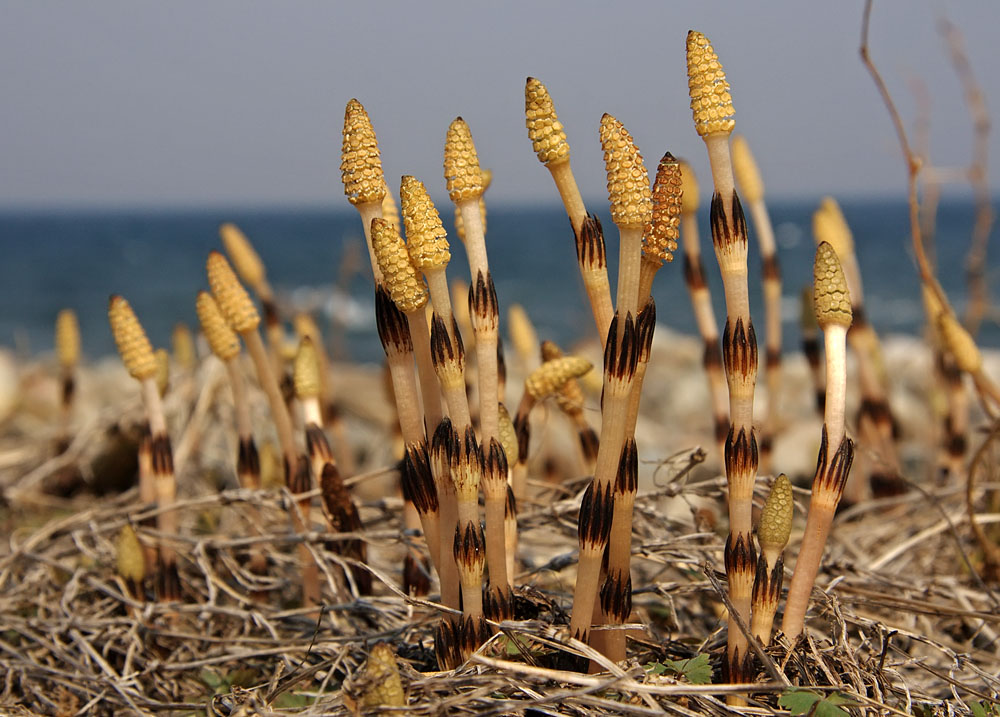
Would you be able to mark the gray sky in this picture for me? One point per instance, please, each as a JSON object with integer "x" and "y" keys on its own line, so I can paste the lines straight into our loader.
{"x": 123, "y": 102}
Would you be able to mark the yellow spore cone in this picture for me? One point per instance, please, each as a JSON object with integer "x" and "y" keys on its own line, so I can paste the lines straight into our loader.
{"x": 67, "y": 338}
{"x": 241, "y": 252}
{"x": 383, "y": 685}
{"x": 776, "y": 518}
{"x": 134, "y": 347}
{"x": 830, "y": 225}
{"x": 711, "y": 103}
{"x": 628, "y": 181}
{"x": 689, "y": 188}
{"x": 400, "y": 278}
{"x": 831, "y": 299}
{"x": 360, "y": 162}
{"x": 745, "y": 168}
{"x": 220, "y": 335}
{"x": 233, "y": 299}
{"x": 306, "y": 374}
{"x": 461, "y": 163}
{"x": 659, "y": 240}
{"x": 544, "y": 128}
{"x": 129, "y": 560}
{"x": 551, "y": 375}
{"x": 508, "y": 436}
{"x": 427, "y": 241}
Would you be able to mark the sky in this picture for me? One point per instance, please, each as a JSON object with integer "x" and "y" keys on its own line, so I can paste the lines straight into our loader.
{"x": 129, "y": 103}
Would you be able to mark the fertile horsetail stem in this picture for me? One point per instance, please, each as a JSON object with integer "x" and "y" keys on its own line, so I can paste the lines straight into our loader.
{"x": 548, "y": 139}
{"x": 772, "y": 535}
{"x": 832, "y": 301}
{"x": 139, "y": 360}
{"x": 712, "y": 108}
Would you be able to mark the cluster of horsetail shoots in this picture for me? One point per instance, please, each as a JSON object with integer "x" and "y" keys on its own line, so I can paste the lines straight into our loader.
{"x": 875, "y": 420}
{"x": 832, "y": 301}
{"x": 701, "y": 305}
{"x": 548, "y": 139}
{"x": 752, "y": 187}
{"x": 68, "y": 355}
{"x": 137, "y": 355}
{"x": 712, "y": 107}
{"x": 241, "y": 314}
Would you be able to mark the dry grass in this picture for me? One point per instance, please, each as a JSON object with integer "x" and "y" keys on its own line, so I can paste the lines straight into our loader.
{"x": 898, "y": 618}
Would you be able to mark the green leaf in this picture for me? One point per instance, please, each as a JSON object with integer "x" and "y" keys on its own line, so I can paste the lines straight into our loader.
{"x": 978, "y": 710}
{"x": 798, "y": 702}
{"x": 696, "y": 670}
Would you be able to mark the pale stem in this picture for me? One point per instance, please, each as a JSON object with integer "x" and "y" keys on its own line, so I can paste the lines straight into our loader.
{"x": 598, "y": 288}
{"x": 489, "y": 399}
{"x": 722, "y": 168}
{"x": 475, "y": 237}
{"x": 450, "y": 588}
{"x": 430, "y": 392}
{"x": 437, "y": 282}
{"x": 241, "y": 406}
{"x": 562, "y": 175}
{"x": 834, "y": 337}
{"x": 629, "y": 255}
{"x": 279, "y": 411}
{"x": 404, "y": 386}
{"x": 807, "y": 565}
{"x": 588, "y": 577}
{"x": 496, "y": 543}
{"x": 154, "y": 407}
{"x": 312, "y": 413}
{"x": 647, "y": 272}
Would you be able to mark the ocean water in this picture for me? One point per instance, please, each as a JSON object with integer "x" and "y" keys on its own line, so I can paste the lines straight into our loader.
{"x": 56, "y": 259}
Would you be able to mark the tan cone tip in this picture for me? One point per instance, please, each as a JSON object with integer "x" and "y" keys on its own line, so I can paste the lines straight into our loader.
{"x": 776, "y": 518}
{"x": 162, "y": 371}
{"x": 689, "y": 188}
{"x": 628, "y": 182}
{"x": 551, "y": 375}
{"x": 67, "y": 338}
{"x": 522, "y": 333}
{"x": 830, "y": 225}
{"x": 508, "y": 435}
{"x": 383, "y": 686}
{"x": 960, "y": 343}
{"x": 182, "y": 343}
{"x": 232, "y": 298}
{"x": 134, "y": 347}
{"x": 129, "y": 560}
{"x": 306, "y": 372}
{"x": 220, "y": 335}
{"x": 659, "y": 239}
{"x": 831, "y": 299}
{"x": 461, "y": 163}
{"x": 747, "y": 173}
{"x": 711, "y": 103}
{"x": 544, "y": 128}
{"x": 245, "y": 259}
{"x": 427, "y": 241}
{"x": 360, "y": 161}
{"x": 398, "y": 274}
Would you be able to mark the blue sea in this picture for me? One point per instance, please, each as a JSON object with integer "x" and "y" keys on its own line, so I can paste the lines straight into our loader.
{"x": 156, "y": 259}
